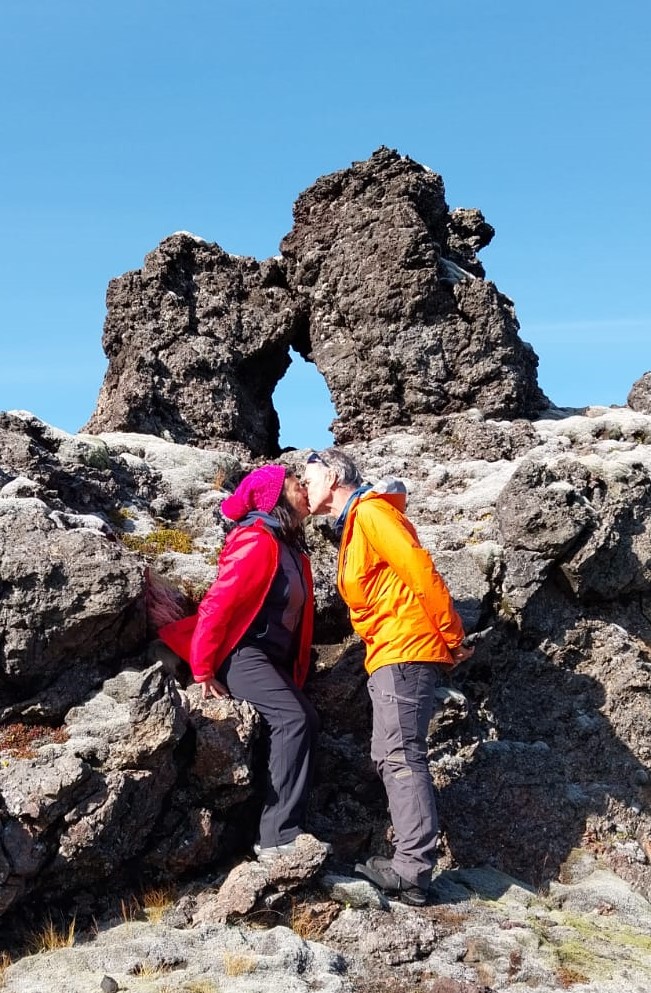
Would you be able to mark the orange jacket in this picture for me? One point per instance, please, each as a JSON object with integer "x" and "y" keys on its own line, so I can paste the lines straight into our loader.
{"x": 399, "y": 605}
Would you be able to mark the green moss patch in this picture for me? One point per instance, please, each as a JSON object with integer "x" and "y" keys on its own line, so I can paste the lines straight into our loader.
{"x": 159, "y": 541}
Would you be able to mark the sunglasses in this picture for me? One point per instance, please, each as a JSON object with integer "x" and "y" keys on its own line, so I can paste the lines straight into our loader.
{"x": 315, "y": 457}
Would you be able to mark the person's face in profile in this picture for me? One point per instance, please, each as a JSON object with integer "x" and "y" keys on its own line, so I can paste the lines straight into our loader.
{"x": 318, "y": 479}
{"x": 296, "y": 495}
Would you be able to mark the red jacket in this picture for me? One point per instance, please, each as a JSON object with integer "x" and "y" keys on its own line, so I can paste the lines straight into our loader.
{"x": 246, "y": 570}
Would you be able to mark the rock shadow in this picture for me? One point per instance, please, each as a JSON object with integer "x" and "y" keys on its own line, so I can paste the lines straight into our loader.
{"x": 549, "y": 755}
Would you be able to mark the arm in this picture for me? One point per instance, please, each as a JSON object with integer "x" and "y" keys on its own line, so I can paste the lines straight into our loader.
{"x": 235, "y": 596}
{"x": 399, "y": 547}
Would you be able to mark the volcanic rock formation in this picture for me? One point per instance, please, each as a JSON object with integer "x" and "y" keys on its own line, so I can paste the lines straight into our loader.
{"x": 197, "y": 341}
{"x": 112, "y": 766}
{"x": 399, "y": 318}
{"x": 378, "y": 284}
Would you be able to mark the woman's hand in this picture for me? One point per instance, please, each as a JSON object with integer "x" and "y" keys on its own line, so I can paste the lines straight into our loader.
{"x": 210, "y": 687}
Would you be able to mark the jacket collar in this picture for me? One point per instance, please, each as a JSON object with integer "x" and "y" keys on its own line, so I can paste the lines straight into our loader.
{"x": 338, "y": 525}
{"x": 259, "y": 515}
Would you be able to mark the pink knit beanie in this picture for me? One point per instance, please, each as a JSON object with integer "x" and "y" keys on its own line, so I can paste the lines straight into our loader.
{"x": 259, "y": 490}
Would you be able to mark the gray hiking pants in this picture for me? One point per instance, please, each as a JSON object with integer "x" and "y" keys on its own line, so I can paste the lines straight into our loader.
{"x": 291, "y": 723}
{"x": 402, "y": 695}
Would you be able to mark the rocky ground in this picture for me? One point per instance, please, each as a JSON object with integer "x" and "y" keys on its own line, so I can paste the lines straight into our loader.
{"x": 484, "y": 931}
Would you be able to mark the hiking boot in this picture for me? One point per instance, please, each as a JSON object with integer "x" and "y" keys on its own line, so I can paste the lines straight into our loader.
{"x": 276, "y": 851}
{"x": 379, "y": 871}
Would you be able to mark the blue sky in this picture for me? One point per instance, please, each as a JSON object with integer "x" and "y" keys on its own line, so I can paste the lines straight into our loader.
{"x": 125, "y": 121}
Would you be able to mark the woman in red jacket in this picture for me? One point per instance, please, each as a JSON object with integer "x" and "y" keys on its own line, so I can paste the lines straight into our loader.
{"x": 252, "y": 635}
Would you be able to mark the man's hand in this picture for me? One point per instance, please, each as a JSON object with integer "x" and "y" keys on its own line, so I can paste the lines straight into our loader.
{"x": 210, "y": 687}
{"x": 461, "y": 653}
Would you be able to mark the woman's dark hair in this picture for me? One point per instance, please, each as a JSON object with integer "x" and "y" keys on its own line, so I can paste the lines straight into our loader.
{"x": 292, "y": 531}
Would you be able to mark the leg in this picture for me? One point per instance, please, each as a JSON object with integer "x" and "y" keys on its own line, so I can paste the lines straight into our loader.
{"x": 402, "y": 696}
{"x": 292, "y": 724}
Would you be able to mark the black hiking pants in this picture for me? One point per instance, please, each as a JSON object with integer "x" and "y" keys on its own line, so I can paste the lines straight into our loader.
{"x": 292, "y": 724}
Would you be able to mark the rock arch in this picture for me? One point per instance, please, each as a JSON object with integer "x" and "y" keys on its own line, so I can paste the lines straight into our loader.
{"x": 378, "y": 284}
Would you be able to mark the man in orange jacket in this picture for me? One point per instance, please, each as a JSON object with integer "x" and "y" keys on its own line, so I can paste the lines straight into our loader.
{"x": 402, "y": 610}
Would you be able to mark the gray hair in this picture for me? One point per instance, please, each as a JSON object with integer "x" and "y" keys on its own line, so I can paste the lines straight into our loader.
{"x": 347, "y": 472}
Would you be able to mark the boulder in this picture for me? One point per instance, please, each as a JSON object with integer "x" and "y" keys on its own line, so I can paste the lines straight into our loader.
{"x": 639, "y": 397}
{"x": 72, "y": 604}
{"x": 137, "y": 772}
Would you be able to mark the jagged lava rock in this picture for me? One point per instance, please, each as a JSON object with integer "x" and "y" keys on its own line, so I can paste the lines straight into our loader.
{"x": 196, "y": 340}
{"x": 378, "y": 284}
{"x": 62, "y": 590}
{"x": 639, "y": 397}
{"x": 401, "y": 323}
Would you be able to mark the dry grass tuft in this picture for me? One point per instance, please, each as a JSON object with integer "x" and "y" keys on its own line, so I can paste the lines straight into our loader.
{"x": 236, "y": 964}
{"x": 303, "y": 924}
{"x": 50, "y": 938}
{"x": 310, "y": 921}
{"x": 212, "y": 558}
{"x": 148, "y": 970}
{"x": 568, "y": 977}
{"x": 130, "y": 910}
{"x": 446, "y": 917}
{"x": 220, "y": 478}
{"x": 156, "y": 901}
{"x": 197, "y": 986}
{"x": 5, "y": 962}
{"x": 195, "y": 592}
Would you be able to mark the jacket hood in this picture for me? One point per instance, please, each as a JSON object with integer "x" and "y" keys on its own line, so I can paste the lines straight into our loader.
{"x": 391, "y": 489}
